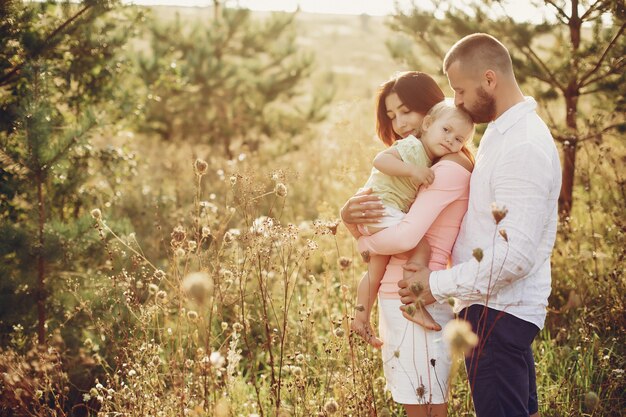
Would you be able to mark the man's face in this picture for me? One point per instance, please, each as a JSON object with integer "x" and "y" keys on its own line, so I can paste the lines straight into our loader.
{"x": 470, "y": 94}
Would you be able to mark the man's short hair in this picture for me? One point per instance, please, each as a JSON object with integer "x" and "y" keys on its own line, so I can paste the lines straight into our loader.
{"x": 477, "y": 52}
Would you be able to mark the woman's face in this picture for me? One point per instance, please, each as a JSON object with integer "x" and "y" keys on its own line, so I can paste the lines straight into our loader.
{"x": 404, "y": 121}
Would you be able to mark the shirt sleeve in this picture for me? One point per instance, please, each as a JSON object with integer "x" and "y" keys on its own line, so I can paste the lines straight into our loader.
{"x": 451, "y": 181}
{"x": 412, "y": 151}
{"x": 522, "y": 182}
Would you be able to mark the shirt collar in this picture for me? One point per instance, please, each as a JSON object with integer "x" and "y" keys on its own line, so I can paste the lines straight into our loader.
{"x": 514, "y": 114}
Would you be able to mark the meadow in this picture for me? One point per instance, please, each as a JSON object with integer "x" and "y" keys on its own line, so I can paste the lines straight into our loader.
{"x": 224, "y": 286}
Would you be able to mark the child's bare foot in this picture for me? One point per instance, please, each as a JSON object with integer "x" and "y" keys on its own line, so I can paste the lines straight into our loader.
{"x": 364, "y": 329}
{"x": 420, "y": 316}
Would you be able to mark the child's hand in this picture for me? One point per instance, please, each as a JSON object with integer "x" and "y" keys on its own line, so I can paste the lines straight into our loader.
{"x": 422, "y": 176}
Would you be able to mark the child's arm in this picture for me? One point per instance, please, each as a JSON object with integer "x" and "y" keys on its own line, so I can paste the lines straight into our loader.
{"x": 390, "y": 162}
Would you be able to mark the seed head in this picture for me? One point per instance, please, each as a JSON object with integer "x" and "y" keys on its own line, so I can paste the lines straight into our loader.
{"x": 198, "y": 286}
{"x": 498, "y": 212}
{"x": 332, "y": 227}
{"x": 410, "y": 310}
{"x": 359, "y": 307}
{"x": 504, "y": 235}
{"x": 459, "y": 334}
{"x": 206, "y": 231}
{"x": 237, "y": 327}
{"x": 216, "y": 359}
{"x": 159, "y": 274}
{"x": 421, "y": 391}
{"x": 344, "y": 263}
{"x": 201, "y": 167}
{"x": 178, "y": 236}
{"x": 192, "y": 315}
{"x": 365, "y": 256}
{"x": 339, "y": 332}
{"x": 478, "y": 254}
{"x": 331, "y": 406}
{"x": 416, "y": 288}
{"x": 280, "y": 189}
{"x": 384, "y": 412}
{"x": 591, "y": 401}
{"x": 228, "y": 237}
{"x": 96, "y": 214}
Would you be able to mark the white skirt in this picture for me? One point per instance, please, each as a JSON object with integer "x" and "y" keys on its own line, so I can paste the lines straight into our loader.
{"x": 416, "y": 361}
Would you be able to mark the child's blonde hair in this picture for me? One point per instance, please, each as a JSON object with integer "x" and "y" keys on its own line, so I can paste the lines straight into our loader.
{"x": 445, "y": 107}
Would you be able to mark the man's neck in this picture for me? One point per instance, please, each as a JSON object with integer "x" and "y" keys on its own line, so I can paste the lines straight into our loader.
{"x": 507, "y": 99}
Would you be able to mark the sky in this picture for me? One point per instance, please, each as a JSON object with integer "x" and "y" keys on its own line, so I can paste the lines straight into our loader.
{"x": 519, "y": 8}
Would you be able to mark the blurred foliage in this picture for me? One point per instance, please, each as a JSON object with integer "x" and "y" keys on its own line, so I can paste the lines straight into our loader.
{"x": 574, "y": 59}
{"x": 231, "y": 82}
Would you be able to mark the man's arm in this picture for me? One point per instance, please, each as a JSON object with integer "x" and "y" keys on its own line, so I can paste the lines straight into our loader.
{"x": 522, "y": 183}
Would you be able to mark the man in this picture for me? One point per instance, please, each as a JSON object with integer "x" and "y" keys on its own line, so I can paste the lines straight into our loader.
{"x": 501, "y": 258}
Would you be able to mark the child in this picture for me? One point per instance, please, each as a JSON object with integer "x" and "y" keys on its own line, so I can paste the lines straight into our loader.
{"x": 397, "y": 174}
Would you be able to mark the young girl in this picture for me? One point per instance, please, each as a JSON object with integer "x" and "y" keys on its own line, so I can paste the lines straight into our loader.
{"x": 397, "y": 174}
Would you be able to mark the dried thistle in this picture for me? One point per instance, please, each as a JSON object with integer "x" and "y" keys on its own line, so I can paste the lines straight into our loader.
{"x": 366, "y": 256}
{"x": 198, "y": 286}
{"x": 416, "y": 288}
{"x": 332, "y": 227}
{"x": 96, "y": 214}
{"x": 478, "y": 254}
{"x": 201, "y": 167}
{"x": 280, "y": 189}
{"x": 459, "y": 334}
{"x": 591, "y": 401}
{"x": 410, "y": 310}
{"x": 504, "y": 235}
{"x": 178, "y": 236}
{"x": 498, "y": 212}
{"x": 344, "y": 263}
{"x": 331, "y": 406}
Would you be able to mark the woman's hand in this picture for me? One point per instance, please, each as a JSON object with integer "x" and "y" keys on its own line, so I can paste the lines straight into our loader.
{"x": 363, "y": 207}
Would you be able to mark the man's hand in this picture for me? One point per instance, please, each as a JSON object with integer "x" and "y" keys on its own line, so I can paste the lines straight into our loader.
{"x": 415, "y": 285}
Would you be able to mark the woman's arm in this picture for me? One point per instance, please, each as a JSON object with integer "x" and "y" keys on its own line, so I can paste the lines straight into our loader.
{"x": 363, "y": 207}
{"x": 451, "y": 182}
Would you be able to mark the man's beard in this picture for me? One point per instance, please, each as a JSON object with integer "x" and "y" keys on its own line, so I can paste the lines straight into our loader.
{"x": 484, "y": 109}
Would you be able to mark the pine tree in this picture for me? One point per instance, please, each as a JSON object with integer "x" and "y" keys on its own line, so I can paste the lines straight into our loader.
{"x": 563, "y": 59}
{"x": 228, "y": 81}
{"x": 59, "y": 64}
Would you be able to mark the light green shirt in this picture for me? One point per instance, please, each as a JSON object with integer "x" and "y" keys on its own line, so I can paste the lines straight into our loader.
{"x": 399, "y": 192}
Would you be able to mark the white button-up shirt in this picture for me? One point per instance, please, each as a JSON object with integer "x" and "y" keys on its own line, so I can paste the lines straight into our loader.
{"x": 517, "y": 167}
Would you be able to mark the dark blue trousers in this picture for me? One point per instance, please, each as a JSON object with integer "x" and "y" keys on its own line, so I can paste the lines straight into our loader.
{"x": 501, "y": 368}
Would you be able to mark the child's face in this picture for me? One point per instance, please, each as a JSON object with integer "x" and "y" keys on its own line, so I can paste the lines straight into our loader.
{"x": 404, "y": 121}
{"x": 445, "y": 134}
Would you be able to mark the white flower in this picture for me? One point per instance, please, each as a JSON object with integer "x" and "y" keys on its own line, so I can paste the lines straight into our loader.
{"x": 216, "y": 359}
{"x": 198, "y": 286}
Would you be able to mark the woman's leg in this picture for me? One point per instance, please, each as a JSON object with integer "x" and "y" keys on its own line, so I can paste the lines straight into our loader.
{"x": 427, "y": 410}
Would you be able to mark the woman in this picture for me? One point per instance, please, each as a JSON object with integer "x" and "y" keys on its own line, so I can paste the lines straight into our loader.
{"x": 416, "y": 361}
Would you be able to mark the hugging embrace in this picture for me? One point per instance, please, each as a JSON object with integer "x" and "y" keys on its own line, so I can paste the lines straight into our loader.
{"x": 429, "y": 203}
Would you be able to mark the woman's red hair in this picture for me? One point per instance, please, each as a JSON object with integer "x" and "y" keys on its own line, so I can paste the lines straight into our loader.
{"x": 416, "y": 90}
